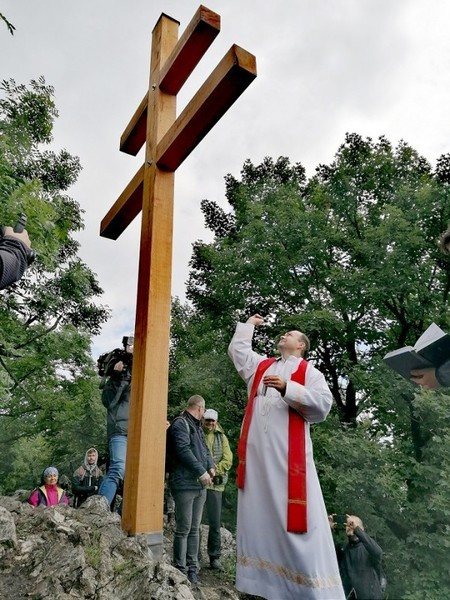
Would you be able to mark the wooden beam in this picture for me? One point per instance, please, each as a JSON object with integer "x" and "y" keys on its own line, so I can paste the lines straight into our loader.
{"x": 190, "y": 48}
{"x": 133, "y": 138}
{"x": 192, "y": 45}
{"x": 223, "y": 87}
{"x": 124, "y": 209}
{"x": 144, "y": 480}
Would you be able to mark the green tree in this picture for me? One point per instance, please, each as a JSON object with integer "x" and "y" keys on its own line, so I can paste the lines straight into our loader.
{"x": 47, "y": 381}
{"x": 349, "y": 256}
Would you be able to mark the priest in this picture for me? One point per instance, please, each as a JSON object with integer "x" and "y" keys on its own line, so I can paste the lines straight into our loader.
{"x": 284, "y": 544}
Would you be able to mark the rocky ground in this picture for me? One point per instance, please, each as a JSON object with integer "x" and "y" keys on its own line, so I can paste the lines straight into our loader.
{"x": 64, "y": 553}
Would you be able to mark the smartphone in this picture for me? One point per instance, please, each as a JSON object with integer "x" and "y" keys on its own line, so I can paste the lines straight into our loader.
{"x": 340, "y": 519}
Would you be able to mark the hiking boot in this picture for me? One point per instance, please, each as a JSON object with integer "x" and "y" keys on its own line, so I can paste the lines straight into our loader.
{"x": 215, "y": 563}
{"x": 193, "y": 578}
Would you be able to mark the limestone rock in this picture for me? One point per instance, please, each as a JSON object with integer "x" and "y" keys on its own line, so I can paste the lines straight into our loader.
{"x": 65, "y": 553}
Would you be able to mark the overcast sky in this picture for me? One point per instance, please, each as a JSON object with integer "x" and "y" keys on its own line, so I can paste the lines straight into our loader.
{"x": 325, "y": 67}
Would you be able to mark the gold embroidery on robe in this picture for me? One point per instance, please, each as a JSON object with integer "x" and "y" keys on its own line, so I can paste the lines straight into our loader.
{"x": 298, "y": 578}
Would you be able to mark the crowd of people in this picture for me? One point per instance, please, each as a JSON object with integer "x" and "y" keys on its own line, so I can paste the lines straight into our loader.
{"x": 279, "y": 496}
{"x": 284, "y": 536}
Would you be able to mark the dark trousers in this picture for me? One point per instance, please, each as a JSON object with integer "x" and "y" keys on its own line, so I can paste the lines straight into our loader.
{"x": 213, "y": 514}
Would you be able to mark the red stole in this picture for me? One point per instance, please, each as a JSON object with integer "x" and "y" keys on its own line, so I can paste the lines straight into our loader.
{"x": 297, "y": 508}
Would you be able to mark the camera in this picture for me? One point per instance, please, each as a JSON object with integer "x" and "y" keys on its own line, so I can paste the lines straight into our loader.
{"x": 217, "y": 479}
{"x": 18, "y": 228}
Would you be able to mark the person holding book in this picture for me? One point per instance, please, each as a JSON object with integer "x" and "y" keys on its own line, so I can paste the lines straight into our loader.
{"x": 432, "y": 378}
{"x": 444, "y": 242}
{"x": 427, "y": 363}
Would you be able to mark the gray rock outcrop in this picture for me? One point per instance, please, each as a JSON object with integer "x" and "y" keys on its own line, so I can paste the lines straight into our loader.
{"x": 64, "y": 553}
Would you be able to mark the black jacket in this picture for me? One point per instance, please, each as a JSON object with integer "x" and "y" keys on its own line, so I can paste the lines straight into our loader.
{"x": 190, "y": 457}
{"x": 85, "y": 484}
{"x": 13, "y": 260}
{"x": 360, "y": 566}
{"x": 116, "y": 400}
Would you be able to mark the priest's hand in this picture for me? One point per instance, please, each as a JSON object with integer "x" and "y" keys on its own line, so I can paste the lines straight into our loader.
{"x": 425, "y": 377}
{"x": 274, "y": 381}
{"x": 256, "y": 320}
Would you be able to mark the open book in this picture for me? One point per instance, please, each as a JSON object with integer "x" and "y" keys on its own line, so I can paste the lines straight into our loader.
{"x": 430, "y": 350}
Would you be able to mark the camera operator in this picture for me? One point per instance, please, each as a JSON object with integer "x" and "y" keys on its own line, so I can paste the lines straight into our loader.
{"x": 14, "y": 248}
{"x": 359, "y": 560}
{"x": 116, "y": 399}
{"x": 219, "y": 447}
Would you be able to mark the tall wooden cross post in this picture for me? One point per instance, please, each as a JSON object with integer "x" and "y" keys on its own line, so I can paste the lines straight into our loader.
{"x": 168, "y": 140}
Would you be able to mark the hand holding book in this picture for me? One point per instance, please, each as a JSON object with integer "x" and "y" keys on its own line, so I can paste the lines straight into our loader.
{"x": 425, "y": 377}
{"x": 420, "y": 362}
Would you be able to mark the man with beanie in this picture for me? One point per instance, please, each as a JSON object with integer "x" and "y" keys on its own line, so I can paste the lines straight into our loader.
{"x": 86, "y": 479}
{"x": 219, "y": 447}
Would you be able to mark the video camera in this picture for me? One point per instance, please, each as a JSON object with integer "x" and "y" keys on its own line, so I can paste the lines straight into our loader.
{"x": 18, "y": 228}
{"x": 127, "y": 340}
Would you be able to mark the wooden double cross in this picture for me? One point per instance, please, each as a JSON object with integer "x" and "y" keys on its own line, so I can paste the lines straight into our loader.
{"x": 168, "y": 140}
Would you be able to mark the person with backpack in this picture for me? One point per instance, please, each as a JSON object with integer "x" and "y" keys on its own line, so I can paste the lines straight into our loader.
{"x": 116, "y": 368}
{"x": 86, "y": 479}
{"x": 48, "y": 493}
{"x": 191, "y": 468}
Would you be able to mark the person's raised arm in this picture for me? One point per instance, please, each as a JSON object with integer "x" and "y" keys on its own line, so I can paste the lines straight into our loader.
{"x": 240, "y": 350}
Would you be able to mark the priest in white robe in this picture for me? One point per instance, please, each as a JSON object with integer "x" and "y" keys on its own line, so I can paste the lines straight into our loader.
{"x": 281, "y": 555}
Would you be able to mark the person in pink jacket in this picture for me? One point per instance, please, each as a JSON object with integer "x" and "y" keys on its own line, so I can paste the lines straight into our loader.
{"x": 48, "y": 493}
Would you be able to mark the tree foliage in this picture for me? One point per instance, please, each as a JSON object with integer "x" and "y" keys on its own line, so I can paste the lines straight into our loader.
{"x": 350, "y": 256}
{"x": 47, "y": 383}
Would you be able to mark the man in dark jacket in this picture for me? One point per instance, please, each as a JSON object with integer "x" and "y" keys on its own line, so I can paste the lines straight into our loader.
{"x": 191, "y": 470}
{"x": 87, "y": 478}
{"x": 116, "y": 399}
{"x": 13, "y": 255}
{"x": 360, "y": 563}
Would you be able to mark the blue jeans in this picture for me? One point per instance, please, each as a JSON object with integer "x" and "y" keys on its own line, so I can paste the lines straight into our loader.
{"x": 116, "y": 471}
{"x": 188, "y": 514}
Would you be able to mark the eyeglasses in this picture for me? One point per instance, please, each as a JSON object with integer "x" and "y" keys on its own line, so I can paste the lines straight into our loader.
{"x": 210, "y": 421}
